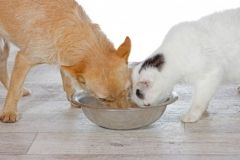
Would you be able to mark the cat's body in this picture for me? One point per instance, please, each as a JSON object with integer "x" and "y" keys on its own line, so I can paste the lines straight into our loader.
{"x": 204, "y": 53}
{"x": 59, "y": 32}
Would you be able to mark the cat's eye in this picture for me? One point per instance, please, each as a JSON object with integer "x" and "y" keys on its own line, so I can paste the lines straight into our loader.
{"x": 139, "y": 94}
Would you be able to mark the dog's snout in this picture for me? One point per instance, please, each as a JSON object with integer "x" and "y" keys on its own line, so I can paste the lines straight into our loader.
{"x": 139, "y": 94}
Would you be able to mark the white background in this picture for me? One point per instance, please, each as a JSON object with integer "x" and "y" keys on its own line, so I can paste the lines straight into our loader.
{"x": 147, "y": 21}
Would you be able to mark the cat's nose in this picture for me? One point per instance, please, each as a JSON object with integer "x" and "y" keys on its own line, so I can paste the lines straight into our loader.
{"x": 139, "y": 94}
{"x": 147, "y": 105}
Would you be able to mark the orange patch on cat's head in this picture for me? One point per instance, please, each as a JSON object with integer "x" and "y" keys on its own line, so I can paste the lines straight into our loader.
{"x": 105, "y": 75}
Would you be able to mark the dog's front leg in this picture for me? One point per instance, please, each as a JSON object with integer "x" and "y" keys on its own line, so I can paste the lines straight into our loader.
{"x": 4, "y": 53}
{"x": 3, "y": 74}
{"x": 20, "y": 70}
{"x": 67, "y": 85}
{"x": 203, "y": 91}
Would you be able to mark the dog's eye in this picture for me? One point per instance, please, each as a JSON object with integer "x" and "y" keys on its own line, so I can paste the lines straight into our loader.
{"x": 106, "y": 99}
{"x": 81, "y": 80}
{"x": 102, "y": 99}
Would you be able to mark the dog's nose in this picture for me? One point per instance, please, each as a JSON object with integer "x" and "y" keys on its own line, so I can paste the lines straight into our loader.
{"x": 139, "y": 94}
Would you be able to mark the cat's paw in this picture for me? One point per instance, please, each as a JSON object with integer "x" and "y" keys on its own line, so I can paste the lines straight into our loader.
{"x": 8, "y": 117}
{"x": 190, "y": 117}
{"x": 238, "y": 89}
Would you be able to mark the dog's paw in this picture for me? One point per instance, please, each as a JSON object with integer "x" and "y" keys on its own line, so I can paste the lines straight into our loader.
{"x": 74, "y": 105}
{"x": 190, "y": 118}
{"x": 8, "y": 117}
{"x": 26, "y": 92}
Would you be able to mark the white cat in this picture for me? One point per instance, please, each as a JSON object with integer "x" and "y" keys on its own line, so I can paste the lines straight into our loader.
{"x": 204, "y": 53}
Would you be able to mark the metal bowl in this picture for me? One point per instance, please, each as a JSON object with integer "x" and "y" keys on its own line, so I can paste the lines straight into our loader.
{"x": 120, "y": 118}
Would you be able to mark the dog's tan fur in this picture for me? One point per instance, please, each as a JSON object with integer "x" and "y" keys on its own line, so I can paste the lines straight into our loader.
{"x": 59, "y": 32}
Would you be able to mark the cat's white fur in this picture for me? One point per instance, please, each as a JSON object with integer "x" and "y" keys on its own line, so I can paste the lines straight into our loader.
{"x": 204, "y": 53}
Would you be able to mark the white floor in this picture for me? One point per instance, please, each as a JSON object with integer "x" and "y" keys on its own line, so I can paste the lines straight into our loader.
{"x": 48, "y": 129}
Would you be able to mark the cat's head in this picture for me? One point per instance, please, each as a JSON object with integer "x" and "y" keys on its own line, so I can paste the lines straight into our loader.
{"x": 149, "y": 86}
{"x": 105, "y": 75}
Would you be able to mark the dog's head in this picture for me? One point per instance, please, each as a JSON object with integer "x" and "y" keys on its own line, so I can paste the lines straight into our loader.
{"x": 150, "y": 86}
{"x": 105, "y": 75}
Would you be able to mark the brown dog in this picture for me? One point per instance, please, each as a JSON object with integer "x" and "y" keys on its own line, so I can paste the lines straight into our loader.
{"x": 59, "y": 32}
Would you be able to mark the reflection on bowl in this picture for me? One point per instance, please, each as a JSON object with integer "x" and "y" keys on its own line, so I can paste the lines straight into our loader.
{"x": 120, "y": 118}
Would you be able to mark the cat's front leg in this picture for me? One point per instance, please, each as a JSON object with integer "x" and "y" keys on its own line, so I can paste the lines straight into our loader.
{"x": 202, "y": 94}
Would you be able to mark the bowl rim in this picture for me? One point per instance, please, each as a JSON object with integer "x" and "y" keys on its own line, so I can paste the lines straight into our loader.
{"x": 170, "y": 100}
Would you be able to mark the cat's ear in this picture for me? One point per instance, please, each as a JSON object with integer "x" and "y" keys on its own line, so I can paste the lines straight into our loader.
{"x": 156, "y": 61}
{"x": 124, "y": 49}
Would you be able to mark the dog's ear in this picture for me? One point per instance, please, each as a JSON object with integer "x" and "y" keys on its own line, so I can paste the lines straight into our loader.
{"x": 76, "y": 71}
{"x": 124, "y": 49}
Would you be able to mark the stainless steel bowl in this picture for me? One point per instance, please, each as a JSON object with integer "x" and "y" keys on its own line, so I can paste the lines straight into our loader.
{"x": 120, "y": 118}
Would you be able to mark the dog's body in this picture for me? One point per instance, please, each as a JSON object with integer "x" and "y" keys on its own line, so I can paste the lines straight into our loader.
{"x": 204, "y": 53}
{"x": 59, "y": 32}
